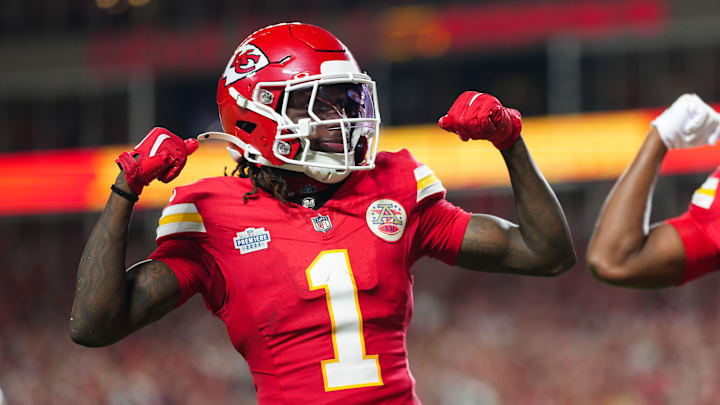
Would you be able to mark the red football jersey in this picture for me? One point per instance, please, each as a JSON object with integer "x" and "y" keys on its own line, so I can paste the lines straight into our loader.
{"x": 699, "y": 229}
{"x": 317, "y": 301}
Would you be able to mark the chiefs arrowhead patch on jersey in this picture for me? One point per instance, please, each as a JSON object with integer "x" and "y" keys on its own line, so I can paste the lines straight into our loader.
{"x": 386, "y": 219}
{"x": 246, "y": 60}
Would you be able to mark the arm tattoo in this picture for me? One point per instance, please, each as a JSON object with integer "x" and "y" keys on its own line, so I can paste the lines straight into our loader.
{"x": 153, "y": 292}
{"x": 539, "y": 244}
{"x": 107, "y": 304}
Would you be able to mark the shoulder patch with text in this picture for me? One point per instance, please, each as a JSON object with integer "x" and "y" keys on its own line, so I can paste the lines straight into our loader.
{"x": 246, "y": 60}
{"x": 386, "y": 219}
{"x": 251, "y": 240}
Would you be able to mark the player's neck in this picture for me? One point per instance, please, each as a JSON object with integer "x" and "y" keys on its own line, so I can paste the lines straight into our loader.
{"x": 300, "y": 184}
{"x": 309, "y": 192}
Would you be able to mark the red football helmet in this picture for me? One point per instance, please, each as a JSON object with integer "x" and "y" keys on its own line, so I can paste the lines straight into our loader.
{"x": 284, "y": 86}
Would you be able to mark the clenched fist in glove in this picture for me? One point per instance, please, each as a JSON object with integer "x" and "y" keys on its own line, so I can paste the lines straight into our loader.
{"x": 687, "y": 123}
{"x": 481, "y": 116}
{"x": 160, "y": 155}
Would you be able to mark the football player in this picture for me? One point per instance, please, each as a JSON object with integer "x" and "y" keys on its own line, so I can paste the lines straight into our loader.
{"x": 305, "y": 251}
{"x": 625, "y": 250}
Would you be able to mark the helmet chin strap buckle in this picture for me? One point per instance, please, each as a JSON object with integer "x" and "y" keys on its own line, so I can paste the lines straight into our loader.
{"x": 222, "y": 136}
{"x": 253, "y": 155}
{"x": 321, "y": 174}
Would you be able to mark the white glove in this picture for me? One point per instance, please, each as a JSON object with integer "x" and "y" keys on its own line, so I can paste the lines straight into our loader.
{"x": 688, "y": 123}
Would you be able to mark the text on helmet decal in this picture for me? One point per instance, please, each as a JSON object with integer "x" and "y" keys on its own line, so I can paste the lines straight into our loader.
{"x": 247, "y": 59}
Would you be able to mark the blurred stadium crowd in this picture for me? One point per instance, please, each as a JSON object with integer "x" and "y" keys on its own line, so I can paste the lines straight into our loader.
{"x": 475, "y": 338}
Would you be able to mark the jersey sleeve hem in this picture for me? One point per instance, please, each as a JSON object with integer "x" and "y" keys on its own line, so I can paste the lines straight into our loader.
{"x": 459, "y": 227}
{"x": 700, "y": 252}
{"x": 186, "y": 291}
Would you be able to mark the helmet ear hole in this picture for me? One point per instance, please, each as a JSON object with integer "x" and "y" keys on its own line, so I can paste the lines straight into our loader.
{"x": 245, "y": 126}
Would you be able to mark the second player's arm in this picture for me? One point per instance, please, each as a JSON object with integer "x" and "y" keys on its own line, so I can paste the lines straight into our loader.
{"x": 539, "y": 245}
{"x": 111, "y": 303}
{"x": 624, "y": 249}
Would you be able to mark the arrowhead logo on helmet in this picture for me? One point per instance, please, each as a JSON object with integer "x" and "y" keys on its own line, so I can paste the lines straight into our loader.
{"x": 247, "y": 59}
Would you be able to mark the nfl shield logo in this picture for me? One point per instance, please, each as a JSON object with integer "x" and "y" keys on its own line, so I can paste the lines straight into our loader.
{"x": 322, "y": 223}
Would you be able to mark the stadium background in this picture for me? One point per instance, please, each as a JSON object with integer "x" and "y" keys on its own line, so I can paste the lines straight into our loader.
{"x": 80, "y": 80}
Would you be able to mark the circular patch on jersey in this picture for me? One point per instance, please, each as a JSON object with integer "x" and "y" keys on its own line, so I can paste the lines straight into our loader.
{"x": 386, "y": 219}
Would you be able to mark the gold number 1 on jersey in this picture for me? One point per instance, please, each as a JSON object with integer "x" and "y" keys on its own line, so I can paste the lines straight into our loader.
{"x": 351, "y": 367}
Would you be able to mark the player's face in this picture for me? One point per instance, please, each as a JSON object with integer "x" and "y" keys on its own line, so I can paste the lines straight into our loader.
{"x": 331, "y": 102}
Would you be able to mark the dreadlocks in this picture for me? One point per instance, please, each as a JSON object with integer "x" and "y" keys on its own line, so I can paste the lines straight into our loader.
{"x": 264, "y": 177}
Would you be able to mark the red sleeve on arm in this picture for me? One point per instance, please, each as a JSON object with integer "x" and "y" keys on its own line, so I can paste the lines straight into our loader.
{"x": 440, "y": 230}
{"x": 701, "y": 254}
{"x": 194, "y": 269}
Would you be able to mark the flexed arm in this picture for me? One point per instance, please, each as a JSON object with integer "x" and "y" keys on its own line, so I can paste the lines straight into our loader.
{"x": 109, "y": 302}
{"x": 624, "y": 249}
{"x": 540, "y": 244}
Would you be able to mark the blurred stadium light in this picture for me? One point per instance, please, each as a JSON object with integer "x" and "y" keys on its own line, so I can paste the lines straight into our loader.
{"x": 105, "y": 4}
{"x": 138, "y": 3}
{"x": 567, "y": 148}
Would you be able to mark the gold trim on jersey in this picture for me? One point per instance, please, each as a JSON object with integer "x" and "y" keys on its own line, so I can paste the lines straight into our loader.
{"x": 427, "y": 183}
{"x": 351, "y": 366}
{"x": 705, "y": 195}
{"x": 180, "y": 218}
{"x": 184, "y": 217}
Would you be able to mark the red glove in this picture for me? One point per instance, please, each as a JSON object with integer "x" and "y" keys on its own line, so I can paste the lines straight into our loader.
{"x": 481, "y": 116}
{"x": 160, "y": 155}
